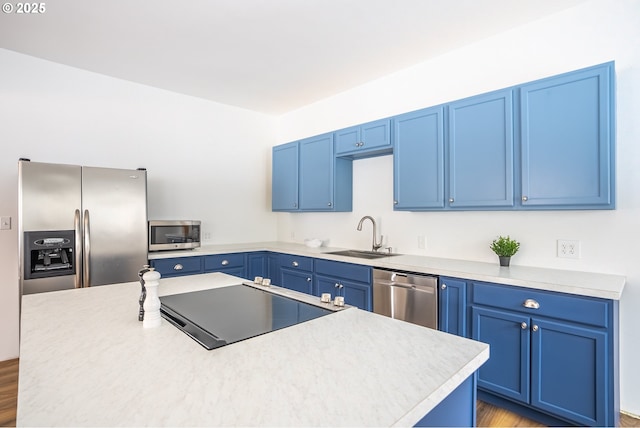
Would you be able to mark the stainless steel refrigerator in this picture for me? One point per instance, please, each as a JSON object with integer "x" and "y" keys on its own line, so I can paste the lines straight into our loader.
{"x": 80, "y": 226}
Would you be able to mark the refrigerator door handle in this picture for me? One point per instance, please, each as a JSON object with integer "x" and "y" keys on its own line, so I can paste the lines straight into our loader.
{"x": 78, "y": 250}
{"x": 86, "y": 253}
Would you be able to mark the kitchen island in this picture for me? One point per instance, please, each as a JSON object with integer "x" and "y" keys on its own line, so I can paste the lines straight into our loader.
{"x": 85, "y": 360}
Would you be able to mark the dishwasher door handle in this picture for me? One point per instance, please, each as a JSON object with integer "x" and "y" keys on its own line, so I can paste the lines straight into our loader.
{"x": 392, "y": 284}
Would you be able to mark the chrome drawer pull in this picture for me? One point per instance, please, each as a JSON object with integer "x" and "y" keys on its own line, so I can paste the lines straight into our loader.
{"x": 443, "y": 286}
{"x": 178, "y": 267}
{"x": 225, "y": 262}
{"x": 294, "y": 264}
{"x": 531, "y": 304}
{"x": 535, "y": 328}
{"x": 523, "y": 325}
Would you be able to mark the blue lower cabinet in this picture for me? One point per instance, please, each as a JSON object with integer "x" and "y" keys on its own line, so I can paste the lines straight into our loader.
{"x": 351, "y": 281}
{"x": 354, "y": 293}
{"x": 296, "y": 280}
{"x": 568, "y": 371}
{"x": 294, "y": 272}
{"x": 508, "y": 368}
{"x": 232, "y": 264}
{"x": 258, "y": 264}
{"x": 452, "y": 306}
{"x": 177, "y": 266}
{"x": 553, "y": 353}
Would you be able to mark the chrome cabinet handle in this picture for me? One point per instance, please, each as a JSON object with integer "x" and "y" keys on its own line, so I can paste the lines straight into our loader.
{"x": 328, "y": 204}
{"x": 523, "y": 325}
{"x": 86, "y": 254}
{"x": 395, "y": 202}
{"x": 443, "y": 286}
{"x": 178, "y": 267}
{"x": 336, "y": 285}
{"x": 294, "y": 264}
{"x": 360, "y": 144}
{"x": 295, "y": 205}
{"x": 308, "y": 279}
{"x": 450, "y": 200}
{"x": 525, "y": 199}
{"x": 225, "y": 262}
{"x": 78, "y": 249}
{"x": 531, "y": 304}
{"x": 340, "y": 286}
{"x": 535, "y": 328}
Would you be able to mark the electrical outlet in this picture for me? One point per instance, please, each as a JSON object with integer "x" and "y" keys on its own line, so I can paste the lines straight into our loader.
{"x": 5, "y": 223}
{"x": 568, "y": 249}
{"x": 422, "y": 242}
{"x": 207, "y": 236}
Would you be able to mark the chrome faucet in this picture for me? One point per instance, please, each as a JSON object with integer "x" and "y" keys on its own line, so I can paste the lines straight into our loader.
{"x": 374, "y": 245}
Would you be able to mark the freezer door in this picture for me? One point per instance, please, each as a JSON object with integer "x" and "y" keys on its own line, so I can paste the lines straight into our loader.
{"x": 48, "y": 196}
{"x": 114, "y": 209}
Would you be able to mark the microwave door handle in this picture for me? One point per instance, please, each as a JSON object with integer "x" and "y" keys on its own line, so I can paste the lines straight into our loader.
{"x": 78, "y": 250}
{"x": 86, "y": 244}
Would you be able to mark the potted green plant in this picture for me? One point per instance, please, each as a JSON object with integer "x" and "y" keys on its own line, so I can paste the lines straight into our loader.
{"x": 505, "y": 247}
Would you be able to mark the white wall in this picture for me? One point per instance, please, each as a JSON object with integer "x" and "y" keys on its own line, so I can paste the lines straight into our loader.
{"x": 205, "y": 161}
{"x": 590, "y": 34}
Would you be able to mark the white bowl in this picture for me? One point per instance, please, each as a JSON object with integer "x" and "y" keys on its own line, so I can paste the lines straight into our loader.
{"x": 313, "y": 242}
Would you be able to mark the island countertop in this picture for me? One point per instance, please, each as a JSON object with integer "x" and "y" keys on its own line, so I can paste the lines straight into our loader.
{"x": 592, "y": 284}
{"x": 85, "y": 360}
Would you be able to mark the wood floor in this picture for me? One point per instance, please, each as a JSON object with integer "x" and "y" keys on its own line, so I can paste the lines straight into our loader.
{"x": 487, "y": 415}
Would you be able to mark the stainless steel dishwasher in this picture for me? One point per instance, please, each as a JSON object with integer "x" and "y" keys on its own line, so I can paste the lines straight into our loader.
{"x": 407, "y": 296}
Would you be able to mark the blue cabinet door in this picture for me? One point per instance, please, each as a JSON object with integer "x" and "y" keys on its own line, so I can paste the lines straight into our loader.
{"x": 480, "y": 151}
{"x": 284, "y": 184}
{"x": 452, "y": 306}
{"x": 357, "y": 294}
{"x": 369, "y": 139}
{"x": 568, "y": 372}
{"x": 317, "y": 173}
{"x": 257, "y": 265}
{"x": 567, "y": 133}
{"x": 296, "y": 280}
{"x": 327, "y": 284}
{"x": 418, "y": 160}
{"x": 507, "y": 370}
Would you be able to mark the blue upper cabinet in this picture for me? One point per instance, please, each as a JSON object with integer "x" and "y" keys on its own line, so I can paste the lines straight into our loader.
{"x": 567, "y": 140}
{"x": 418, "y": 160}
{"x": 480, "y": 149}
{"x": 370, "y": 139}
{"x": 284, "y": 192}
{"x": 308, "y": 177}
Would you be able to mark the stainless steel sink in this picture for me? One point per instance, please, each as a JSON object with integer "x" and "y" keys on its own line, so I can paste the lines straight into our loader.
{"x": 363, "y": 254}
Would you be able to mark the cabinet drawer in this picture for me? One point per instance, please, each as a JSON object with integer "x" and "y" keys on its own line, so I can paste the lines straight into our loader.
{"x": 223, "y": 261}
{"x": 178, "y": 266}
{"x": 296, "y": 262}
{"x": 344, "y": 270}
{"x": 586, "y": 310}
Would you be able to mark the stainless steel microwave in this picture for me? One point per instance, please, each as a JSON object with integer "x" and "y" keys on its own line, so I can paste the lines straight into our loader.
{"x": 173, "y": 234}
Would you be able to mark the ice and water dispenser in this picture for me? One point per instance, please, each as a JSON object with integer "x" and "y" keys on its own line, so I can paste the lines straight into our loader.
{"x": 49, "y": 253}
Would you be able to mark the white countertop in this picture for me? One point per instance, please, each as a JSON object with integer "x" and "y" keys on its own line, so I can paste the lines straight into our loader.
{"x": 85, "y": 360}
{"x": 591, "y": 284}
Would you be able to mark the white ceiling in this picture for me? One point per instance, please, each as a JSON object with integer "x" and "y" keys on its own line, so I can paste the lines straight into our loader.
{"x": 271, "y": 56}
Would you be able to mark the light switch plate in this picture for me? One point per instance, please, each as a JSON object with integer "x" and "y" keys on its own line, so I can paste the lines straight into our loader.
{"x": 5, "y": 223}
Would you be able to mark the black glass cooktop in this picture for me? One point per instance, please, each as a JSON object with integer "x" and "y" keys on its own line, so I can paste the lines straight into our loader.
{"x": 222, "y": 316}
